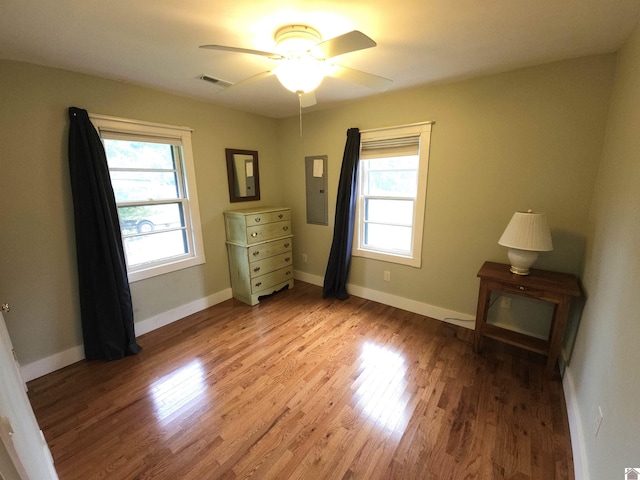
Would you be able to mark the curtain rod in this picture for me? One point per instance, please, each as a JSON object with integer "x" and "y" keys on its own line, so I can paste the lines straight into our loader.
{"x": 397, "y": 126}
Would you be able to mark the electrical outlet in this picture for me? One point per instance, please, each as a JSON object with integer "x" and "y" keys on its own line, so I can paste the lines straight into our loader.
{"x": 505, "y": 302}
{"x": 387, "y": 276}
{"x": 597, "y": 421}
{"x": 304, "y": 258}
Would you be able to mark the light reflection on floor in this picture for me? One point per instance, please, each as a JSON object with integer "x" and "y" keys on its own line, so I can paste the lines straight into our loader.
{"x": 178, "y": 389}
{"x": 381, "y": 393}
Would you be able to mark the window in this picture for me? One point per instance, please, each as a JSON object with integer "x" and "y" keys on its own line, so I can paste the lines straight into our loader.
{"x": 153, "y": 179}
{"x": 392, "y": 186}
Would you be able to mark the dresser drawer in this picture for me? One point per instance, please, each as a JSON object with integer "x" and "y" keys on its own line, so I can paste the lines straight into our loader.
{"x": 270, "y": 264}
{"x": 268, "y": 217}
{"x": 265, "y": 282}
{"x": 262, "y": 233}
{"x": 265, "y": 250}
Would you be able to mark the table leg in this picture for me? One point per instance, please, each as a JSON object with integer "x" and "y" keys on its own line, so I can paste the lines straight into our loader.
{"x": 560, "y": 315}
{"x": 481, "y": 315}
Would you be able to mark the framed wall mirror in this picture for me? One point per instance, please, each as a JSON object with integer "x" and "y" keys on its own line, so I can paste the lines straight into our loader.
{"x": 243, "y": 175}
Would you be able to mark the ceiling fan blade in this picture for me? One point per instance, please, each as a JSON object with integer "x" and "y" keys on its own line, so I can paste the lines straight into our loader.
{"x": 250, "y": 80}
{"x": 361, "y": 78}
{"x": 308, "y": 99}
{"x": 349, "y": 42}
{"x": 273, "y": 56}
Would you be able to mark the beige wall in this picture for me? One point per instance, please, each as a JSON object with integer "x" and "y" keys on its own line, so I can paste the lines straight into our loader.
{"x": 37, "y": 244}
{"x": 530, "y": 138}
{"x": 605, "y": 368}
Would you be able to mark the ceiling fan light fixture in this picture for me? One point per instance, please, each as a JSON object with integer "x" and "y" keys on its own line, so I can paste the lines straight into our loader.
{"x": 301, "y": 69}
{"x": 300, "y": 74}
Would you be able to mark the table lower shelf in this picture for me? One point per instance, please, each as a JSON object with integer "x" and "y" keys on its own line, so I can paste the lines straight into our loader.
{"x": 517, "y": 339}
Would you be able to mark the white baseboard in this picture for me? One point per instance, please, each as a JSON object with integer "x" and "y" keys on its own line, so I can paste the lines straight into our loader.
{"x": 580, "y": 469}
{"x": 60, "y": 360}
{"x": 165, "y": 318}
{"x": 52, "y": 363}
{"x": 421, "y": 308}
{"x": 308, "y": 277}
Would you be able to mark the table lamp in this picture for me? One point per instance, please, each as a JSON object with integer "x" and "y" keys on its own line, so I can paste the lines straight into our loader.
{"x": 526, "y": 235}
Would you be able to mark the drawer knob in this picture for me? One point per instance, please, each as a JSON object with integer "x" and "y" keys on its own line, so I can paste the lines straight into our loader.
{"x": 258, "y": 219}
{"x": 254, "y": 234}
{"x": 257, "y": 269}
{"x": 288, "y": 272}
{"x": 287, "y": 259}
{"x": 285, "y": 228}
{"x": 280, "y": 216}
{"x": 522, "y": 288}
{"x": 258, "y": 284}
{"x": 256, "y": 253}
{"x": 286, "y": 245}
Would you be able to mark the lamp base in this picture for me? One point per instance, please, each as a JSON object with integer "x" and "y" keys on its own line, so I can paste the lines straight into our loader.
{"x": 521, "y": 260}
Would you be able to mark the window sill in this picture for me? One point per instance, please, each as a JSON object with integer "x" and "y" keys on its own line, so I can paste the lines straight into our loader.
{"x": 388, "y": 257}
{"x": 154, "y": 271}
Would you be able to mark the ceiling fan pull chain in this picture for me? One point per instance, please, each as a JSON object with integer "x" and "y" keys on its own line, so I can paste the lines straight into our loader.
{"x": 300, "y": 109}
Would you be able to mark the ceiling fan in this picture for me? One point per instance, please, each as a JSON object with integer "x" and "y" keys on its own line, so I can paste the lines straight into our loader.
{"x": 303, "y": 61}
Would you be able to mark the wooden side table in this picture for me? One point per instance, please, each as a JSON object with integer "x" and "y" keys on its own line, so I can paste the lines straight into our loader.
{"x": 553, "y": 287}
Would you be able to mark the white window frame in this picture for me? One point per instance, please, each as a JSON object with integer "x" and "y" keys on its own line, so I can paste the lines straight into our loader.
{"x": 414, "y": 258}
{"x": 127, "y": 129}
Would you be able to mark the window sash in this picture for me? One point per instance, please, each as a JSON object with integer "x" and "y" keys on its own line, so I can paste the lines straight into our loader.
{"x": 133, "y": 262}
{"x": 366, "y": 200}
{"x": 182, "y": 223}
{"x": 176, "y": 172}
{"x": 379, "y": 243}
{"x": 363, "y": 240}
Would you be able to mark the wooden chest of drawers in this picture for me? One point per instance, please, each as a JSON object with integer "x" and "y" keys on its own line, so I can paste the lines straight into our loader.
{"x": 259, "y": 245}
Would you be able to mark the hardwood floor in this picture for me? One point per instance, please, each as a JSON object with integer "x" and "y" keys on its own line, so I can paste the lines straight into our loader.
{"x": 305, "y": 388}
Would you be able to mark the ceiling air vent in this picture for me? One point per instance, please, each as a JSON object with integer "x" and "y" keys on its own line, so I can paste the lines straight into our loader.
{"x": 216, "y": 81}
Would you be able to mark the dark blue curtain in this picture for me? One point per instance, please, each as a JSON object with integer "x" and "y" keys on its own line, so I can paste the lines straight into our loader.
{"x": 335, "y": 278}
{"x": 105, "y": 297}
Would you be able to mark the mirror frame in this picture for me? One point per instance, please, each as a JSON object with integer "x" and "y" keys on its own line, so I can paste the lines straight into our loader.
{"x": 231, "y": 175}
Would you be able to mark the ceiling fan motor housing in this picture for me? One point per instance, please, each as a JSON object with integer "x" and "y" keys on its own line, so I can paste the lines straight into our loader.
{"x": 296, "y": 39}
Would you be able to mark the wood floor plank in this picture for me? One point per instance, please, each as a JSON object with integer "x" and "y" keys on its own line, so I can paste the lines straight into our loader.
{"x": 304, "y": 387}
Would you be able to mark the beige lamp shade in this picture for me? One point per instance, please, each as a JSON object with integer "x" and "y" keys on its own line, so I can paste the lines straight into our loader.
{"x": 526, "y": 234}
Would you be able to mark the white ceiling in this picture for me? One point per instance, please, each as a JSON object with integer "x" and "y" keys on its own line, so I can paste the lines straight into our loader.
{"x": 155, "y": 43}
